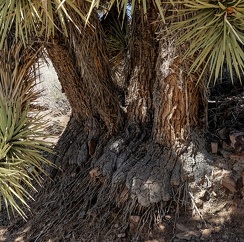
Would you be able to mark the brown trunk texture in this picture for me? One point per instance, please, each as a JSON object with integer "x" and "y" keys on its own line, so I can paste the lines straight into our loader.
{"x": 158, "y": 146}
{"x": 143, "y": 54}
{"x": 177, "y": 103}
{"x": 82, "y": 65}
{"x": 151, "y": 160}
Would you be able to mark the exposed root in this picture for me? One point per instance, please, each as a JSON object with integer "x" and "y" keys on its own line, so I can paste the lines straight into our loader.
{"x": 196, "y": 208}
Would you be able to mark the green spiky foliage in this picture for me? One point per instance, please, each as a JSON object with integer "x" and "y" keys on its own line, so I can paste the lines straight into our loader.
{"x": 34, "y": 18}
{"x": 21, "y": 134}
{"x": 117, "y": 33}
{"x": 210, "y": 32}
{"x": 37, "y": 17}
{"x": 214, "y": 34}
{"x": 212, "y": 29}
{"x": 122, "y": 6}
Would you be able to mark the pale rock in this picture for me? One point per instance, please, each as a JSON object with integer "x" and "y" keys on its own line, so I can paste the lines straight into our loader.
{"x": 95, "y": 172}
{"x": 135, "y": 219}
{"x": 206, "y": 233}
{"x": 168, "y": 217}
{"x": 161, "y": 227}
{"x": 214, "y": 193}
{"x": 214, "y": 147}
{"x": 122, "y": 235}
{"x": 199, "y": 203}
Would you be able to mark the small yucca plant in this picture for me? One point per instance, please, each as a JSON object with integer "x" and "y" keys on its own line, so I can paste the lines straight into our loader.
{"x": 21, "y": 134}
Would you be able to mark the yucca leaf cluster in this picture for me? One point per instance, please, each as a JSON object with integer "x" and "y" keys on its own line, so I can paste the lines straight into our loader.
{"x": 214, "y": 31}
{"x": 21, "y": 133}
{"x": 30, "y": 18}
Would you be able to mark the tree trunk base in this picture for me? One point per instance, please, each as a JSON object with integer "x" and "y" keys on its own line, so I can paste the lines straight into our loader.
{"x": 101, "y": 188}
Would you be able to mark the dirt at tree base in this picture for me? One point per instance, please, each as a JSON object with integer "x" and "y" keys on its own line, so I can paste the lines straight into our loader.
{"x": 57, "y": 215}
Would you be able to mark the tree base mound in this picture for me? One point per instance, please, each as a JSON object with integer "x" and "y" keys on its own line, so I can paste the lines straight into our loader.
{"x": 121, "y": 196}
{"x": 68, "y": 210}
{"x": 98, "y": 201}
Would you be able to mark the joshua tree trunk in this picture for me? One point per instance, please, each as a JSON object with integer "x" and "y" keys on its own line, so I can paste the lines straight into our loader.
{"x": 132, "y": 160}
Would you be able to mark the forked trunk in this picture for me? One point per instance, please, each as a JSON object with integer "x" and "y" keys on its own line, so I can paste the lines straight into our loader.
{"x": 157, "y": 149}
{"x": 139, "y": 166}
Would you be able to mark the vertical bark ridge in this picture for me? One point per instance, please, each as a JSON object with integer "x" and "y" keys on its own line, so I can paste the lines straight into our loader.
{"x": 143, "y": 52}
{"x": 176, "y": 102}
{"x": 64, "y": 64}
{"x": 92, "y": 62}
{"x": 84, "y": 72}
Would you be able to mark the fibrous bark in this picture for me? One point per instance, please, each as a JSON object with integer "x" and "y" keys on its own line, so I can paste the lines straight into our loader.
{"x": 144, "y": 163}
{"x": 157, "y": 148}
{"x": 82, "y": 64}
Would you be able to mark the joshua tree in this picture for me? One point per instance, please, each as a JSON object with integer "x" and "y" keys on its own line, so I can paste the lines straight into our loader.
{"x": 136, "y": 79}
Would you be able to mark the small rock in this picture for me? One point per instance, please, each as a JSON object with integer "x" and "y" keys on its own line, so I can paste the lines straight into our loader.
{"x": 199, "y": 225}
{"x": 223, "y": 133}
{"x": 95, "y": 172}
{"x": 214, "y": 147}
{"x": 73, "y": 174}
{"x": 214, "y": 193}
{"x": 233, "y": 135}
{"x": 237, "y": 141}
{"x": 225, "y": 153}
{"x": 122, "y": 235}
{"x": 135, "y": 219}
{"x": 168, "y": 217}
{"x": 199, "y": 203}
{"x": 206, "y": 233}
{"x": 161, "y": 227}
{"x": 116, "y": 226}
{"x": 217, "y": 229}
